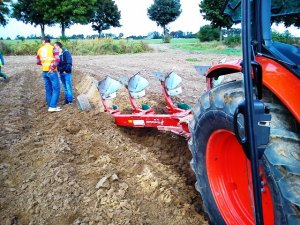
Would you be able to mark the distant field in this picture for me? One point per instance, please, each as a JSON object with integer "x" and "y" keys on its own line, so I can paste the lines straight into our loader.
{"x": 111, "y": 46}
{"x": 194, "y": 45}
{"x": 173, "y": 41}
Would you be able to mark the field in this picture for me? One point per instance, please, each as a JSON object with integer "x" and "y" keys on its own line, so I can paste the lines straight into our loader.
{"x": 123, "y": 46}
{"x": 51, "y": 163}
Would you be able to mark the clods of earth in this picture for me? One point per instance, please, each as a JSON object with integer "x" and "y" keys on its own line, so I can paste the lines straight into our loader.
{"x": 78, "y": 167}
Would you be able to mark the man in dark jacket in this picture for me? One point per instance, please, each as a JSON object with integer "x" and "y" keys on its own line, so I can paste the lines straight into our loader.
{"x": 65, "y": 70}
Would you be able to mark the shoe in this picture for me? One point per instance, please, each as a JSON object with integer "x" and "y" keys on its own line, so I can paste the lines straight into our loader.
{"x": 68, "y": 103}
{"x": 57, "y": 109}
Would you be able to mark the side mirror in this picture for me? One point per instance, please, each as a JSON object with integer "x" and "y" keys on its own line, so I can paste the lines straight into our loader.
{"x": 172, "y": 83}
{"x": 137, "y": 86}
{"x": 108, "y": 88}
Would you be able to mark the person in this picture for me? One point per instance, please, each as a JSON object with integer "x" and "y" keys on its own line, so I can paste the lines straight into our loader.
{"x": 48, "y": 57}
{"x": 65, "y": 71}
{"x": 2, "y": 62}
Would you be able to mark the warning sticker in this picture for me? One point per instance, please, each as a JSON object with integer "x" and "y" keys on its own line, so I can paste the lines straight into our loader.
{"x": 139, "y": 122}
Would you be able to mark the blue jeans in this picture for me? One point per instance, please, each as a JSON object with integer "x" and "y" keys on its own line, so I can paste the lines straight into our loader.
{"x": 66, "y": 79}
{"x": 52, "y": 88}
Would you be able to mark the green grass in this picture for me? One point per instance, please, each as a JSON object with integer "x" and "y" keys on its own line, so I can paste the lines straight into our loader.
{"x": 192, "y": 60}
{"x": 194, "y": 45}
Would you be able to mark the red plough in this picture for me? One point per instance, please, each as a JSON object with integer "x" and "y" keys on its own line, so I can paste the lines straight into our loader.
{"x": 177, "y": 115}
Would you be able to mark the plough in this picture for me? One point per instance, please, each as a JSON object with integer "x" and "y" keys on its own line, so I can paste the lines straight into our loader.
{"x": 177, "y": 115}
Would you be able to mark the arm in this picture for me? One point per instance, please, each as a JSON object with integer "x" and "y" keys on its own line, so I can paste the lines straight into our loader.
{"x": 68, "y": 62}
{"x": 56, "y": 59}
{"x": 38, "y": 58}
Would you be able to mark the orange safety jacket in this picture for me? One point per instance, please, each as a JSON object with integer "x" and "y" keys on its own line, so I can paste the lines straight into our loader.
{"x": 48, "y": 57}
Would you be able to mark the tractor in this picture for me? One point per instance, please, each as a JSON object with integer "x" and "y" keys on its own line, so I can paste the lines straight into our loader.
{"x": 243, "y": 134}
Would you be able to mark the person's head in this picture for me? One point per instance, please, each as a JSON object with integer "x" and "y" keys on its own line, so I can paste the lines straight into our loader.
{"x": 58, "y": 45}
{"x": 46, "y": 40}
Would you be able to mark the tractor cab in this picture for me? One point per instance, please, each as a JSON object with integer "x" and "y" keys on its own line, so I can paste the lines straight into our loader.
{"x": 262, "y": 43}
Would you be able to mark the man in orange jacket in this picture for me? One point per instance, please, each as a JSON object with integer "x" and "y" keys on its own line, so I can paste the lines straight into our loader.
{"x": 48, "y": 57}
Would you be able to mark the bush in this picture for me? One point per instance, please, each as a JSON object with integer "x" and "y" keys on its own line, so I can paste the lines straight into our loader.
{"x": 285, "y": 37}
{"x": 232, "y": 41}
{"x": 20, "y": 48}
{"x": 78, "y": 47}
{"x": 208, "y": 33}
{"x": 167, "y": 39}
{"x": 5, "y": 48}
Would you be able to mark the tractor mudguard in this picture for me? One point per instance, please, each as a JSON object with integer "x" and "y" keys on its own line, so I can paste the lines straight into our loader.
{"x": 282, "y": 83}
{"x": 224, "y": 69}
{"x": 278, "y": 79}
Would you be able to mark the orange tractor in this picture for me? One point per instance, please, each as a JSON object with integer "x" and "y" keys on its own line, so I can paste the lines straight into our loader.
{"x": 243, "y": 135}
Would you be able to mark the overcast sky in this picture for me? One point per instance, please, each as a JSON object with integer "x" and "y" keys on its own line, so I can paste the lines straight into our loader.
{"x": 134, "y": 21}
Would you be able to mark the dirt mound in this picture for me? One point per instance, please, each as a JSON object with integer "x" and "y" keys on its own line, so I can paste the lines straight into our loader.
{"x": 78, "y": 167}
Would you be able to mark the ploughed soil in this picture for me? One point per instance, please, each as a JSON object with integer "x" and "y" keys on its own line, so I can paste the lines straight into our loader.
{"x": 78, "y": 167}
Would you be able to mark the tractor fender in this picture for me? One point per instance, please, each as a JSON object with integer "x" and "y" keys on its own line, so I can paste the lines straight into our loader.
{"x": 224, "y": 69}
{"x": 282, "y": 83}
{"x": 278, "y": 79}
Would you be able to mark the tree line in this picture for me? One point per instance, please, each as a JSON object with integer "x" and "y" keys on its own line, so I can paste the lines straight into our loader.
{"x": 104, "y": 14}
{"x": 101, "y": 14}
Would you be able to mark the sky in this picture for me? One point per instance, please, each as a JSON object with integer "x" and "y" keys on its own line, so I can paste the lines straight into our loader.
{"x": 134, "y": 21}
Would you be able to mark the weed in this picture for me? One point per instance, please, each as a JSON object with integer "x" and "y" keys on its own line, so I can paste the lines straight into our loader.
{"x": 192, "y": 60}
{"x": 232, "y": 41}
{"x": 77, "y": 47}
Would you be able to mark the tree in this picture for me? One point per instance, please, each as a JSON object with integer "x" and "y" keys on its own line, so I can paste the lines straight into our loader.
{"x": 164, "y": 12}
{"x": 4, "y": 10}
{"x": 106, "y": 14}
{"x": 121, "y": 35}
{"x": 68, "y": 12}
{"x": 177, "y": 34}
{"x": 213, "y": 12}
{"x": 154, "y": 35}
{"x": 208, "y": 33}
{"x": 288, "y": 20}
{"x": 33, "y": 36}
{"x": 32, "y": 12}
{"x": 19, "y": 37}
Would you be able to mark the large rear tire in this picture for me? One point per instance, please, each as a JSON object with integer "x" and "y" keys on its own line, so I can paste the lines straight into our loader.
{"x": 223, "y": 172}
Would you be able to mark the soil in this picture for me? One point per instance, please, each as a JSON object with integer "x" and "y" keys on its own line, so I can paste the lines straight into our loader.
{"x": 78, "y": 167}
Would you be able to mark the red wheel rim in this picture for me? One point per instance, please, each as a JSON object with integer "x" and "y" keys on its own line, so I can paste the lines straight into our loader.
{"x": 228, "y": 170}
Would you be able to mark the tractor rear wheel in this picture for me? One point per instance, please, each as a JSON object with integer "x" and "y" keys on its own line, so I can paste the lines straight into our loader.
{"x": 223, "y": 171}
